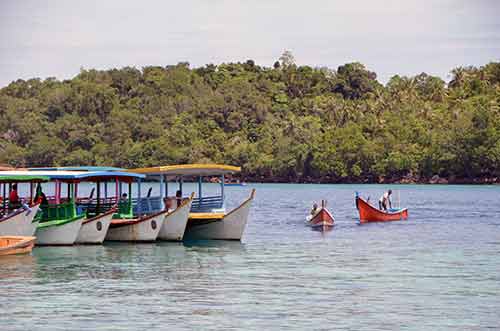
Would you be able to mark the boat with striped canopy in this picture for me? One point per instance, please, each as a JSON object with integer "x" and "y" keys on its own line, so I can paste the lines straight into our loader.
{"x": 208, "y": 218}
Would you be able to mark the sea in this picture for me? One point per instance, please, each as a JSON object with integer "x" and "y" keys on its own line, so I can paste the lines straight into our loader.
{"x": 438, "y": 270}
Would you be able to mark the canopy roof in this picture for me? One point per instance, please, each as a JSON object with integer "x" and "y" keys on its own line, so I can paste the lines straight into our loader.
{"x": 189, "y": 170}
{"x": 84, "y": 168}
{"x": 22, "y": 178}
{"x": 75, "y": 175}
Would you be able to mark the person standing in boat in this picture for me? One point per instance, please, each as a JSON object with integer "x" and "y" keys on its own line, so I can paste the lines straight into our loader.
{"x": 384, "y": 200}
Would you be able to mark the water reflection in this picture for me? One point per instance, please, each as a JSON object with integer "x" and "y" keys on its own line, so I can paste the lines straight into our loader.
{"x": 14, "y": 267}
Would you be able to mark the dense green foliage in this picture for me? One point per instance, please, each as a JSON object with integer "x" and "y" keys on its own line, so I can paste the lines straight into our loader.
{"x": 289, "y": 122}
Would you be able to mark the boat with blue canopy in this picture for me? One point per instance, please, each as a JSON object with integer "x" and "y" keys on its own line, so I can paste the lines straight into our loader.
{"x": 207, "y": 218}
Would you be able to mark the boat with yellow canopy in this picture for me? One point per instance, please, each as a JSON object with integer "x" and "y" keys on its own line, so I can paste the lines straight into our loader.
{"x": 208, "y": 218}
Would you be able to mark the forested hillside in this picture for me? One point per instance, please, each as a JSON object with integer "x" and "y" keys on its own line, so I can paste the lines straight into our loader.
{"x": 286, "y": 123}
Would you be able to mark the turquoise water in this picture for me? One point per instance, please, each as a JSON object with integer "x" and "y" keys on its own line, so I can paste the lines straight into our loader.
{"x": 440, "y": 270}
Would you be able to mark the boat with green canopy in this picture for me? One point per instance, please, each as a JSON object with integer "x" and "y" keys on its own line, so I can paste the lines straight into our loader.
{"x": 17, "y": 216}
{"x": 58, "y": 220}
{"x": 208, "y": 218}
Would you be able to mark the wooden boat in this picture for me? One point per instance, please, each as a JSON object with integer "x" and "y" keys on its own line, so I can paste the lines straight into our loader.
{"x": 175, "y": 221}
{"x": 100, "y": 211}
{"x": 145, "y": 228}
{"x": 135, "y": 222}
{"x": 94, "y": 229}
{"x": 10, "y": 245}
{"x": 368, "y": 213}
{"x": 58, "y": 219}
{"x": 18, "y": 220}
{"x": 174, "y": 224}
{"x": 322, "y": 218}
{"x": 208, "y": 218}
{"x": 97, "y": 212}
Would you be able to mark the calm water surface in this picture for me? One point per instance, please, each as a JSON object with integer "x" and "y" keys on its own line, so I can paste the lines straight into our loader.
{"x": 440, "y": 270}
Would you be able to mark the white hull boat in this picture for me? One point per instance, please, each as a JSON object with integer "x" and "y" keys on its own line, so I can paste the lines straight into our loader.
{"x": 19, "y": 223}
{"x": 136, "y": 229}
{"x": 175, "y": 222}
{"x": 219, "y": 226}
{"x": 58, "y": 232}
{"x": 94, "y": 230}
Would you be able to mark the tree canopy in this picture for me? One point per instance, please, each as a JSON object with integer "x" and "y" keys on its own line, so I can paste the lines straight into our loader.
{"x": 286, "y": 122}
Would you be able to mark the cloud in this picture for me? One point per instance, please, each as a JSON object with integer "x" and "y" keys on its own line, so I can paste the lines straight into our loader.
{"x": 56, "y": 38}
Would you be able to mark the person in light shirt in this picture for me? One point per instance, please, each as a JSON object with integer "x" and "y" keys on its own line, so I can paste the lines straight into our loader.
{"x": 385, "y": 200}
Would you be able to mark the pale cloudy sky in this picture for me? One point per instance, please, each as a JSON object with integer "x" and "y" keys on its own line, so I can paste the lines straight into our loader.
{"x": 42, "y": 38}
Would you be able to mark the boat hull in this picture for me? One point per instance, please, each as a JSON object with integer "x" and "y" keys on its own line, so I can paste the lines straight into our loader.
{"x": 58, "y": 234}
{"x": 142, "y": 229}
{"x": 368, "y": 213}
{"x": 229, "y": 227}
{"x": 10, "y": 245}
{"x": 175, "y": 222}
{"x": 322, "y": 219}
{"x": 19, "y": 224}
{"x": 94, "y": 230}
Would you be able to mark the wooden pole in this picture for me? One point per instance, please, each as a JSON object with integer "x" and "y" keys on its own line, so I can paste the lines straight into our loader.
{"x": 222, "y": 187}
{"x": 139, "y": 202}
{"x": 162, "y": 193}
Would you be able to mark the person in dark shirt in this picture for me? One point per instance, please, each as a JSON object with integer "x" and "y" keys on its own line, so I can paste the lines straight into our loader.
{"x": 40, "y": 197}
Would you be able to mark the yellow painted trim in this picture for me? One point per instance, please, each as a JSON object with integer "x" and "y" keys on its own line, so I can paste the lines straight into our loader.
{"x": 206, "y": 216}
{"x": 219, "y": 216}
{"x": 171, "y": 169}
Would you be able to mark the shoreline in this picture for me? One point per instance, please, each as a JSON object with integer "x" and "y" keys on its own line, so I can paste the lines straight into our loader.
{"x": 421, "y": 181}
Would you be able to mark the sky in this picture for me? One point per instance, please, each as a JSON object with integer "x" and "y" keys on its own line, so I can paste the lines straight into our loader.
{"x": 42, "y": 38}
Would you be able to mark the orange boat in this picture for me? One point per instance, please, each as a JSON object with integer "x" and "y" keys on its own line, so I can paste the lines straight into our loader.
{"x": 368, "y": 213}
{"x": 16, "y": 245}
{"x": 322, "y": 218}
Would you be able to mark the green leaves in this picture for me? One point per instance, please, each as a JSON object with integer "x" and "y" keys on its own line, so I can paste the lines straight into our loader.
{"x": 289, "y": 122}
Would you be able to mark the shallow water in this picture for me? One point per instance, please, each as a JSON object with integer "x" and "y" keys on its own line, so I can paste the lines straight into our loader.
{"x": 439, "y": 270}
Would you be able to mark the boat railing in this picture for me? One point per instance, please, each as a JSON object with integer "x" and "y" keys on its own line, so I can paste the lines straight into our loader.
{"x": 60, "y": 211}
{"x": 206, "y": 204}
{"x": 94, "y": 207}
{"x": 148, "y": 205}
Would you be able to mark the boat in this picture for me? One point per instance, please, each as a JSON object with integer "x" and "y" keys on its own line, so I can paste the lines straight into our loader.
{"x": 59, "y": 219}
{"x": 368, "y": 213}
{"x": 174, "y": 224}
{"x": 100, "y": 212}
{"x": 133, "y": 222}
{"x": 10, "y": 245}
{"x": 208, "y": 218}
{"x": 322, "y": 218}
{"x": 18, "y": 220}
